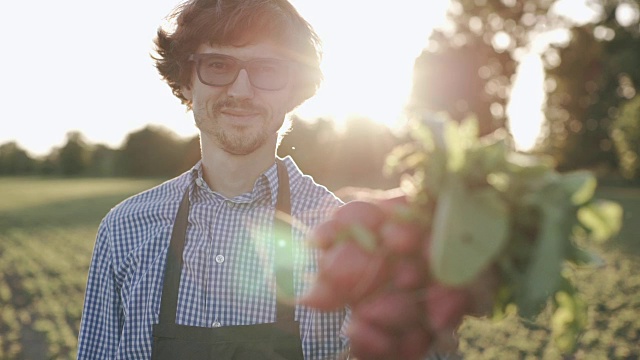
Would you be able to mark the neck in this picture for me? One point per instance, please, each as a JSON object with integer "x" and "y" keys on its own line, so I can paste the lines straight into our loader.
{"x": 232, "y": 175}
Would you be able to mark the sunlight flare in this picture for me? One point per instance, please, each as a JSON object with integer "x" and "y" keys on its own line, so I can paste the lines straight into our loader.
{"x": 525, "y": 106}
{"x": 369, "y": 53}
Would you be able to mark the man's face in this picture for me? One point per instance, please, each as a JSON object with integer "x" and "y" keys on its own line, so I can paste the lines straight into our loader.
{"x": 239, "y": 117}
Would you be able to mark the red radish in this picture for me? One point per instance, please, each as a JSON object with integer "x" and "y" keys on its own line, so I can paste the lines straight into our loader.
{"x": 408, "y": 273}
{"x": 414, "y": 343}
{"x": 445, "y": 342}
{"x": 401, "y": 238}
{"x": 482, "y": 291}
{"x": 393, "y": 310}
{"x": 370, "y": 342}
{"x": 349, "y": 273}
{"x": 445, "y": 306}
{"x": 383, "y": 338}
{"x": 364, "y": 213}
{"x": 381, "y": 283}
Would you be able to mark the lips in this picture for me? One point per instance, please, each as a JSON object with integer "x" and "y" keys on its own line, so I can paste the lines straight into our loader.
{"x": 239, "y": 112}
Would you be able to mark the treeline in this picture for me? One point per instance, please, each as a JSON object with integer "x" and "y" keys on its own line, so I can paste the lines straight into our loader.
{"x": 591, "y": 83}
{"x": 336, "y": 156}
{"x": 592, "y": 76}
{"x": 152, "y": 151}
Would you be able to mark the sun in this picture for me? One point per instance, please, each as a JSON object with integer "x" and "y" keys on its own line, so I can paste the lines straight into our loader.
{"x": 369, "y": 49}
{"x": 369, "y": 52}
{"x": 526, "y": 102}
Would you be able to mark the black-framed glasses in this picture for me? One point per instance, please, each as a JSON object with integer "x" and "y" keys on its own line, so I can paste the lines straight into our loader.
{"x": 222, "y": 70}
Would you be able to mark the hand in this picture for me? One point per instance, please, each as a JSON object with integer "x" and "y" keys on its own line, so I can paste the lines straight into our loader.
{"x": 398, "y": 311}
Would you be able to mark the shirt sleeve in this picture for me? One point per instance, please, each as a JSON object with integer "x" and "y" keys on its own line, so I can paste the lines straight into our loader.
{"x": 346, "y": 345}
{"x": 102, "y": 315}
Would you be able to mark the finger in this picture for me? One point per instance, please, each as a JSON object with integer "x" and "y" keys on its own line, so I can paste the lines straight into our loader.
{"x": 364, "y": 213}
{"x": 322, "y": 296}
{"x": 325, "y": 234}
{"x": 353, "y": 272}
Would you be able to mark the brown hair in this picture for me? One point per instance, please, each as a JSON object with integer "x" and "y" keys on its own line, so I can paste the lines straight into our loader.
{"x": 237, "y": 23}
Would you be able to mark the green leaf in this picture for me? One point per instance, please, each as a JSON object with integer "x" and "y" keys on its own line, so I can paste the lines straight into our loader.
{"x": 586, "y": 191}
{"x": 469, "y": 231}
{"x": 602, "y": 217}
{"x": 581, "y": 184}
{"x": 494, "y": 155}
{"x": 484, "y": 158}
{"x": 580, "y": 256}
{"x": 500, "y": 181}
{"x": 455, "y": 147}
{"x": 543, "y": 275}
{"x": 435, "y": 172}
{"x": 528, "y": 165}
{"x": 568, "y": 320}
{"x": 429, "y": 133}
{"x": 469, "y": 130}
{"x": 405, "y": 158}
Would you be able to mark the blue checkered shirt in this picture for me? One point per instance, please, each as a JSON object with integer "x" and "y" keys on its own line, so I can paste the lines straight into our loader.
{"x": 227, "y": 275}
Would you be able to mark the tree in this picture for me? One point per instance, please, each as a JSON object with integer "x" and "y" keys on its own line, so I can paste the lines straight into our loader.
{"x": 311, "y": 144}
{"x": 14, "y": 160}
{"x": 362, "y": 152}
{"x": 468, "y": 67}
{"x": 596, "y": 73}
{"x": 626, "y": 137}
{"x": 74, "y": 156}
{"x": 152, "y": 151}
{"x": 334, "y": 157}
{"x": 191, "y": 154}
{"x": 103, "y": 161}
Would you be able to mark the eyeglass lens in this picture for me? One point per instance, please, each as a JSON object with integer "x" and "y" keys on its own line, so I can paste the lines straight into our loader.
{"x": 222, "y": 70}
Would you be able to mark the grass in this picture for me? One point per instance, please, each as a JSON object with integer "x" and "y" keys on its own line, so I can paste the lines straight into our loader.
{"x": 47, "y": 232}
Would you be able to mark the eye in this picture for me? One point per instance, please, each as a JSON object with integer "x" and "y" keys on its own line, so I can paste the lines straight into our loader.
{"x": 218, "y": 64}
{"x": 270, "y": 68}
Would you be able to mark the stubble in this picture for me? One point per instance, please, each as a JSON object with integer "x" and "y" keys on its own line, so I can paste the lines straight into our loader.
{"x": 236, "y": 139}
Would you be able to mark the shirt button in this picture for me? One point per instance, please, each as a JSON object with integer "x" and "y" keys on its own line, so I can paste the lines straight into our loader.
{"x": 230, "y": 205}
{"x": 199, "y": 182}
{"x": 220, "y": 259}
{"x": 216, "y": 324}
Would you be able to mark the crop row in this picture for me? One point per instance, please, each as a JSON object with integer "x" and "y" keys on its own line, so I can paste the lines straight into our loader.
{"x": 44, "y": 275}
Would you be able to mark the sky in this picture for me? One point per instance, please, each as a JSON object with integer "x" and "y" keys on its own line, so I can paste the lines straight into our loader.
{"x": 76, "y": 65}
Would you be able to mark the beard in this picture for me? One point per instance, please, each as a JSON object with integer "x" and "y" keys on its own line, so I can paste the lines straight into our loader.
{"x": 235, "y": 139}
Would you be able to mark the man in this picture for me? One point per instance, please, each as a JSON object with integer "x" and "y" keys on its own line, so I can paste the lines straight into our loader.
{"x": 192, "y": 269}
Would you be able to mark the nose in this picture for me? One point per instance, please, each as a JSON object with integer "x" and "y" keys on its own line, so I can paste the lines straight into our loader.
{"x": 241, "y": 88}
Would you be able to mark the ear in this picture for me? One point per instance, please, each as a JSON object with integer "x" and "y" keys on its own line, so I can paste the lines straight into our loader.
{"x": 294, "y": 99}
{"x": 187, "y": 93}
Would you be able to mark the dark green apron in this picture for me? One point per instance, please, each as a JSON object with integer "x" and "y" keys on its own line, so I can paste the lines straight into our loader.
{"x": 279, "y": 340}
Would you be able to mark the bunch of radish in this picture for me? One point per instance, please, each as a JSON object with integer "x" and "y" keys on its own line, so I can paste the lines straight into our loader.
{"x": 372, "y": 258}
{"x": 477, "y": 227}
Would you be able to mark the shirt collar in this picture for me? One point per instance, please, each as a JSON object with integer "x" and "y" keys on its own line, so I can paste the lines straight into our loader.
{"x": 265, "y": 189}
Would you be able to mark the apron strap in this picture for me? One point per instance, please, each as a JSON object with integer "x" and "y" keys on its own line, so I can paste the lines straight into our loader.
{"x": 173, "y": 267}
{"x": 285, "y": 291}
{"x": 285, "y": 312}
